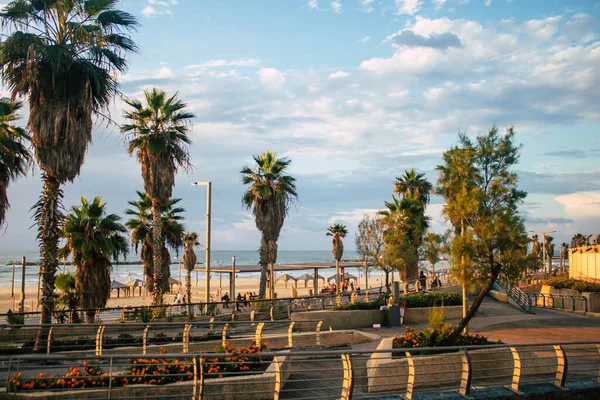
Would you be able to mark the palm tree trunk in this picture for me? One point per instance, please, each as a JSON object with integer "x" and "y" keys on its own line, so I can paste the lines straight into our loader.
{"x": 49, "y": 219}
{"x": 264, "y": 265}
{"x": 337, "y": 276}
{"x": 161, "y": 284}
{"x": 188, "y": 287}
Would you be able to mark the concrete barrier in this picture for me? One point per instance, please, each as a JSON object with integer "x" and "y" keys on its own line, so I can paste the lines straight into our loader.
{"x": 340, "y": 320}
{"x": 499, "y": 296}
{"x": 421, "y": 314}
{"x": 593, "y": 299}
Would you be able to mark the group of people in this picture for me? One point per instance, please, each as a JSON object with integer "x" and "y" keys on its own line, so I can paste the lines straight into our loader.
{"x": 243, "y": 299}
{"x": 435, "y": 281}
{"x": 344, "y": 286}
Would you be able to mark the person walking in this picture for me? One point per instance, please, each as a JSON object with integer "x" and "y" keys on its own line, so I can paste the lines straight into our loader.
{"x": 422, "y": 281}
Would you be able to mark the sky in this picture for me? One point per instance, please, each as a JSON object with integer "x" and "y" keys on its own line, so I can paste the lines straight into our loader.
{"x": 354, "y": 92}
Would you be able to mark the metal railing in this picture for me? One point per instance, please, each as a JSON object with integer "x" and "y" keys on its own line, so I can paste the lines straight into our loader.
{"x": 173, "y": 337}
{"x": 519, "y": 297}
{"x": 326, "y": 374}
{"x": 263, "y": 309}
{"x": 569, "y": 302}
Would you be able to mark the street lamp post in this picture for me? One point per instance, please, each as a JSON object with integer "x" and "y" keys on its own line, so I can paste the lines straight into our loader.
{"x": 544, "y": 246}
{"x": 207, "y": 246}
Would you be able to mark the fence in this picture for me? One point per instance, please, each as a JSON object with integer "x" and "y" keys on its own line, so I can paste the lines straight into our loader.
{"x": 560, "y": 301}
{"x": 263, "y": 309}
{"x": 480, "y": 371}
{"x": 138, "y": 338}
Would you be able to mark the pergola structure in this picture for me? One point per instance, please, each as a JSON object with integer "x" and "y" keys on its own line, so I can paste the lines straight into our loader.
{"x": 255, "y": 268}
{"x": 136, "y": 283}
{"x": 118, "y": 286}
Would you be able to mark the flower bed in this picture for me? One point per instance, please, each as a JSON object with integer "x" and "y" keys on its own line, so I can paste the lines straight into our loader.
{"x": 573, "y": 284}
{"x": 413, "y": 338}
{"x": 154, "y": 371}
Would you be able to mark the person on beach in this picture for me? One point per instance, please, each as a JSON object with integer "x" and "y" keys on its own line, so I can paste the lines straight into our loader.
{"x": 422, "y": 281}
{"x": 239, "y": 299}
{"x": 225, "y": 300}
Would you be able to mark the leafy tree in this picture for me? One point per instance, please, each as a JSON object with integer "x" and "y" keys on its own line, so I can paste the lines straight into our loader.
{"x": 338, "y": 232}
{"x": 67, "y": 297}
{"x": 159, "y": 135}
{"x": 404, "y": 224}
{"x": 64, "y": 56}
{"x": 433, "y": 249}
{"x": 189, "y": 261}
{"x": 269, "y": 193}
{"x": 140, "y": 225}
{"x": 14, "y": 155}
{"x": 416, "y": 188}
{"x": 369, "y": 244}
{"x": 482, "y": 199}
{"x": 578, "y": 240}
{"x": 93, "y": 238}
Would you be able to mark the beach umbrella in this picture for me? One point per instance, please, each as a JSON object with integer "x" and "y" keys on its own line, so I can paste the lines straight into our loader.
{"x": 286, "y": 278}
{"x": 173, "y": 281}
{"x": 118, "y": 286}
{"x": 305, "y": 278}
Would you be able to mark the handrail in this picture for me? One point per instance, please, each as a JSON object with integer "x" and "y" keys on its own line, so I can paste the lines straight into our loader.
{"x": 514, "y": 293}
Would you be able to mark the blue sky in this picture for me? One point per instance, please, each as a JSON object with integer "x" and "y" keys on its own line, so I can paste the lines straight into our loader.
{"x": 355, "y": 92}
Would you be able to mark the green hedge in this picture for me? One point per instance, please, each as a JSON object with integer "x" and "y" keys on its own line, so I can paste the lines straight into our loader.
{"x": 437, "y": 299}
{"x": 413, "y": 339}
{"x": 360, "y": 305}
{"x": 574, "y": 284}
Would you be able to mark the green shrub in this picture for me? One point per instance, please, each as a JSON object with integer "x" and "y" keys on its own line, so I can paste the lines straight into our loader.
{"x": 437, "y": 319}
{"x": 438, "y": 299}
{"x": 145, "y": 314}
{"x": 413, "y": 339}
{"x": 360, "y": 305}
{"x": 15, "y": 319}
{"x": 573, "y": 284}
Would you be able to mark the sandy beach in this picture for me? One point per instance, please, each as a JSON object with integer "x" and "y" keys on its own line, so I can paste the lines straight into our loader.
{"x": 242, "y": 285}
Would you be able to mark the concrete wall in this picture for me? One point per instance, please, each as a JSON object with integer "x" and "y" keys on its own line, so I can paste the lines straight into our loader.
{"x": 593, "y": 299}
{"x": 584, "y": 263}
{"x": 338, "y": 320}
{"x": 387, "y": 373}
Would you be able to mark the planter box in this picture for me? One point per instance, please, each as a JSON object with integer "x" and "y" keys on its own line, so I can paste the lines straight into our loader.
{"x": 593, "y": 299}
{"x": 421, "y": 314}
{"x": 339, "y": 320}
{"x": 385, "y": 373}
{"x": 249, "y": 387}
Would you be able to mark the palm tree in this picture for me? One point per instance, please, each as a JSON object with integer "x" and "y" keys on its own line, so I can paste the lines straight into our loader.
{"x": 189, "y": 261}
{"x": 64, "y": 56}
{"x": 14, "y": 156}
{"x": 140, "y": 225}
{"x": 158, "y": 134}
{"x": 67, "y": 297}
{"x": 93, "y": 238}
{"x": 416, "y": 183}
{"x": 338, "y": 232}
{"x": 269, "y": 193}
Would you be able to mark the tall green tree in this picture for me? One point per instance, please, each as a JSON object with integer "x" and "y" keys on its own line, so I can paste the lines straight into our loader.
{"x": 415, "y": 188}
{"x": 404, "y": 223}
{"x": 14, "y": 155}
{"x": 67, "y": 296}
{"x": 370, "y": 245}
{"x": 337, "y": 232}
{"x": 269, "y": 193}
{"x": 482, "y": 199}
{"x": 64, "y": 57}
{"x": 433, "y": 249}
{"x": 140, "y": 226}
{"x": 94, "y": 239}
{"x": 189, "y": 261}
{"x": 158, "y": 134}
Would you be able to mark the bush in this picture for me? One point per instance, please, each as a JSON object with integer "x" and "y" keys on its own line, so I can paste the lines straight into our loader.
{"x": 145, "y": 314}
{"x": 360, "y": 305}
{"x": 573, "y": 284}
{"x": 438, "y": 299}
{"x": 15, "y": 319}
{"x": 412, "y": 339}
{"x": 437, "y": 319}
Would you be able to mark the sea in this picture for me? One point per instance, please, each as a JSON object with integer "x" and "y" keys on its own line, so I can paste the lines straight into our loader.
{"x": 10, "y": 261}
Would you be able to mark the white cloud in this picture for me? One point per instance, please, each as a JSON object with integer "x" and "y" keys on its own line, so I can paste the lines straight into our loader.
{"x": 488, "y": 2}
{"x": 365, "y": 6}
{"x": 336, "y": 6}
{"x": 339, "y": 75}
{"x": 313, "y": 4}
{"x": 581, "y": 204}
{"x": 158, "y": 7}
{"x": 242, "y": 62}
{"x": 409, "y": 7}
{"x": 165, "y": 73}
{"x": 365, "y": 39}
{"x": 439, "y": 3}
{"x": 271, "y": 78}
